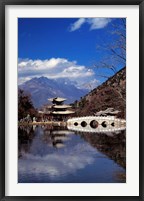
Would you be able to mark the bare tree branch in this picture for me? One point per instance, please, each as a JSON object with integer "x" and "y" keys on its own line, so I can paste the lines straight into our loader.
{"x": 114, "y": 51}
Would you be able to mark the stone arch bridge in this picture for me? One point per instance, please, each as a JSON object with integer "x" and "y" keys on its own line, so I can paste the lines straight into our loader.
{"x": 96, "y": 124}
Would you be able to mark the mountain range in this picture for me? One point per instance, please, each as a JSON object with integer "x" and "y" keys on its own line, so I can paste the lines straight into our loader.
{"x": 40, "y": 89}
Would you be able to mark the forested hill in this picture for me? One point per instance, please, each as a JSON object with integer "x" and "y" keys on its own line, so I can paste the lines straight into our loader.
{"x": 111, "y": 93}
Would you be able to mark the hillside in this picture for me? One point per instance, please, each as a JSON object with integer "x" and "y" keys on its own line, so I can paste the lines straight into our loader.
{"x": 111, "y": 93}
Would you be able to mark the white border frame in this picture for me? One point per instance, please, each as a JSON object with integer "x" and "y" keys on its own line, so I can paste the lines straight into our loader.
{"x": 131, "y": 187}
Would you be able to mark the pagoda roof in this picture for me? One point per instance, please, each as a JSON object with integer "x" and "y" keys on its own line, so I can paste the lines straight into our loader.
{"x": 62, "y": 106}
{"x": 59, "y": 99}
{"x": 63, "y": 112}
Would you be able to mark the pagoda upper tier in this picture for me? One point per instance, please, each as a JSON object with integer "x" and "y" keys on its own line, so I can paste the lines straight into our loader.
{"x": 57, "y": 100}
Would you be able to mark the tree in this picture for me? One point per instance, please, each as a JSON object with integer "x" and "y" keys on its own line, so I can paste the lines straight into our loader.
{"x": 113, "y": 51}
{"x": 25, "y": 106}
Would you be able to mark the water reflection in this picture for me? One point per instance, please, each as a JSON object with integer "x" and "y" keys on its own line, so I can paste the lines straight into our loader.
{"x": 25, "y": 137}
{"x": 111, "y": 144}
{"x": 48, "y": 154}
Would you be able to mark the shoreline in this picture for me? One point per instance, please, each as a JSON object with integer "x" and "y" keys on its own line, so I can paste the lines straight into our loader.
{"x": 53, "y": 123}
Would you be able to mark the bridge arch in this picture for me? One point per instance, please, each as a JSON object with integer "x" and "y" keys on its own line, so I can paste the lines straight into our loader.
{"x": 83, "y": 123}
{"x": 96, "y": 124}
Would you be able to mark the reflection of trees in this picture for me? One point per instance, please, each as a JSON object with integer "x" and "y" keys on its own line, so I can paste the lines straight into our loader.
{"x": 113, "y": 146}
{"x": 25, "y": 137}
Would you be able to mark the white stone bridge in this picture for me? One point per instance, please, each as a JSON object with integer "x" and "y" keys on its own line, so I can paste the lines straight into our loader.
{"x": 96, "y": 124}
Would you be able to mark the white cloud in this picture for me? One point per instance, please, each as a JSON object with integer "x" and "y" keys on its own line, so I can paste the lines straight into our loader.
{"x": 54, "y": 68}
{"x": 98, "y": 23}
{"x": 77, "y": 24}
{"x": 95, "y": 23}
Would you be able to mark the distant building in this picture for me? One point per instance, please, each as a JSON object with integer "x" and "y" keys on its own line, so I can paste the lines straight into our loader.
{"x": 57, "y": 110}
{"x": 107, "y": 112}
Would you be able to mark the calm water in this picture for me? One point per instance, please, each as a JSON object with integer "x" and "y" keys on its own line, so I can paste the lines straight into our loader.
{"x": 48, "y": 155}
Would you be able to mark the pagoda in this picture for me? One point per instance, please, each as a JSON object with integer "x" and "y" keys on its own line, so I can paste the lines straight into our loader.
{"x": 58, "y": 109}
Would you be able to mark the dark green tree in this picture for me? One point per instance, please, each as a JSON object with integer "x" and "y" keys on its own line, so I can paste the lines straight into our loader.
{"x": 25, "y": 105}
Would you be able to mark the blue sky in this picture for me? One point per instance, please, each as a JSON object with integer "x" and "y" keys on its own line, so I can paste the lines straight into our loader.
{"x": 66, "y": 48}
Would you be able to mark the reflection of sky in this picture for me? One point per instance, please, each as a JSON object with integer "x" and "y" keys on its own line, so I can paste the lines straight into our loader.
{"x": 77, "y": 161}
{"x": 47, "y": 160}
{"x": 58, "y": 163}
